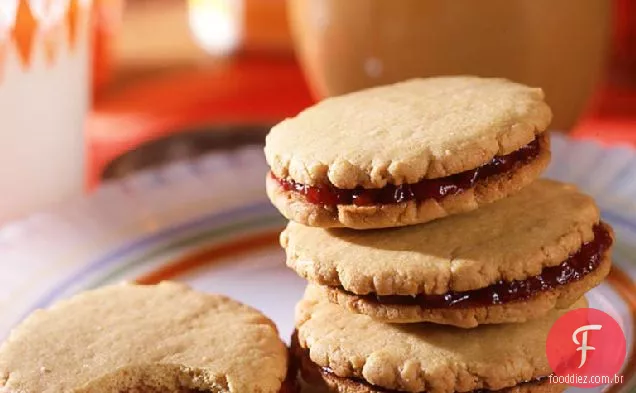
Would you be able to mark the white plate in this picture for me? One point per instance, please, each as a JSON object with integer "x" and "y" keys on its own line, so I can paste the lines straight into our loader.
{"x": 207, "y": 222}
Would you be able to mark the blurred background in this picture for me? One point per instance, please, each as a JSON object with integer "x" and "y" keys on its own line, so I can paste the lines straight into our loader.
{"x": 114, "y": 86}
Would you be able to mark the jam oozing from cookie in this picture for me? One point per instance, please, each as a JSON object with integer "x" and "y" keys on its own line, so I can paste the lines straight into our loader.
{"x": 575, "y": 267}
{"x": 313, "y": 375}
{"x": 425, "y": 189}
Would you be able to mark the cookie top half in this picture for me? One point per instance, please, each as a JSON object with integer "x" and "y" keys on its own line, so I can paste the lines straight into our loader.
{"x": 406, "y": 132}
{"x": 423, "y": 357}
{"x": 511, "y": 239}
{"x": 150, "y": 338}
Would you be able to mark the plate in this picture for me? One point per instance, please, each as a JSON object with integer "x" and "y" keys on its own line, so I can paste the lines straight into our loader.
{"x": 207, "y": 222}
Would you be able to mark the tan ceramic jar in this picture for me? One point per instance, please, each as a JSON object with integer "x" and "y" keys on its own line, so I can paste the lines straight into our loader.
{"x": 559, "y": 45}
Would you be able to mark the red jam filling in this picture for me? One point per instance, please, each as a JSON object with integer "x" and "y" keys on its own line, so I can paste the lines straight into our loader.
{"x": 311, "y": 373}
{"x": 424, "y": 189}
{"x": 575, "y": 267}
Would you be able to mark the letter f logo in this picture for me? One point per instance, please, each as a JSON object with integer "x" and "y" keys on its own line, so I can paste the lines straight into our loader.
{"x": 583, "y": 344}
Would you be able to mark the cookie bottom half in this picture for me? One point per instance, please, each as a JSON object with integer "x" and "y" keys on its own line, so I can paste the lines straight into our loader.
{"x": 294, "y": 206}
{"x": 311, "y": 378}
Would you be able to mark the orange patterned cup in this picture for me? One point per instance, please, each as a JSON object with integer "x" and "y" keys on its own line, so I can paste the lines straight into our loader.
{"x": 44, "y": 96}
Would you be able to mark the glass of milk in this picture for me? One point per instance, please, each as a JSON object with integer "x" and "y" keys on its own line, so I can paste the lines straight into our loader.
{"x": 44, "y": 96}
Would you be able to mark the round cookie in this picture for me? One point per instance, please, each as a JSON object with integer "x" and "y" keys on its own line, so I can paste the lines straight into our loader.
{"x": 407, "y": 153}
{"x": 459, "y": 270}
{"x": 164, "y": 338}
{"x": 354, "y": 353}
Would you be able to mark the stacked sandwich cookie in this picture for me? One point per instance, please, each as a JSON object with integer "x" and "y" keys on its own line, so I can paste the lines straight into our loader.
{"x": 338, "y": 351}
{"x": 407, "y": 153}
{"x": 510, "y": 261}
{"x": 437, "y": 261}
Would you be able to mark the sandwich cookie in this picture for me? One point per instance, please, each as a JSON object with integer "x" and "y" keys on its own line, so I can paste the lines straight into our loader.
{"x": 337, "y": 351}
{"x": 510, "y": 261}
{"x": 407, "y": 153}
{"x": 130, "y": 338}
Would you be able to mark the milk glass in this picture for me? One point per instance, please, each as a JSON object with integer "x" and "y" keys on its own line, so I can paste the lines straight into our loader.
{"x": 44, "y": 96}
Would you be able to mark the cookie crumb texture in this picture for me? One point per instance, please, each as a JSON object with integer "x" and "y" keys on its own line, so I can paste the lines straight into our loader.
{"x": 405, "y": 132}
{"x": 131, "y": 338}
{"x": 423, "y": 357}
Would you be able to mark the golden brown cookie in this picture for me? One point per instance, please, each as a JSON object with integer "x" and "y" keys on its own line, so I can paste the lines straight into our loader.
{"x": 357, "y": 354}
{"x": 164, "y": 338}
{"x": 407, "y": 153}
{"x": 500, "y": 263}
{"x": 311, "y": 378}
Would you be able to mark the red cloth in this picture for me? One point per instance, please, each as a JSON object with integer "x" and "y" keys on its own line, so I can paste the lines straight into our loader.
{"x": 612, "y": 119}
{"x": 260, "y": 91}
